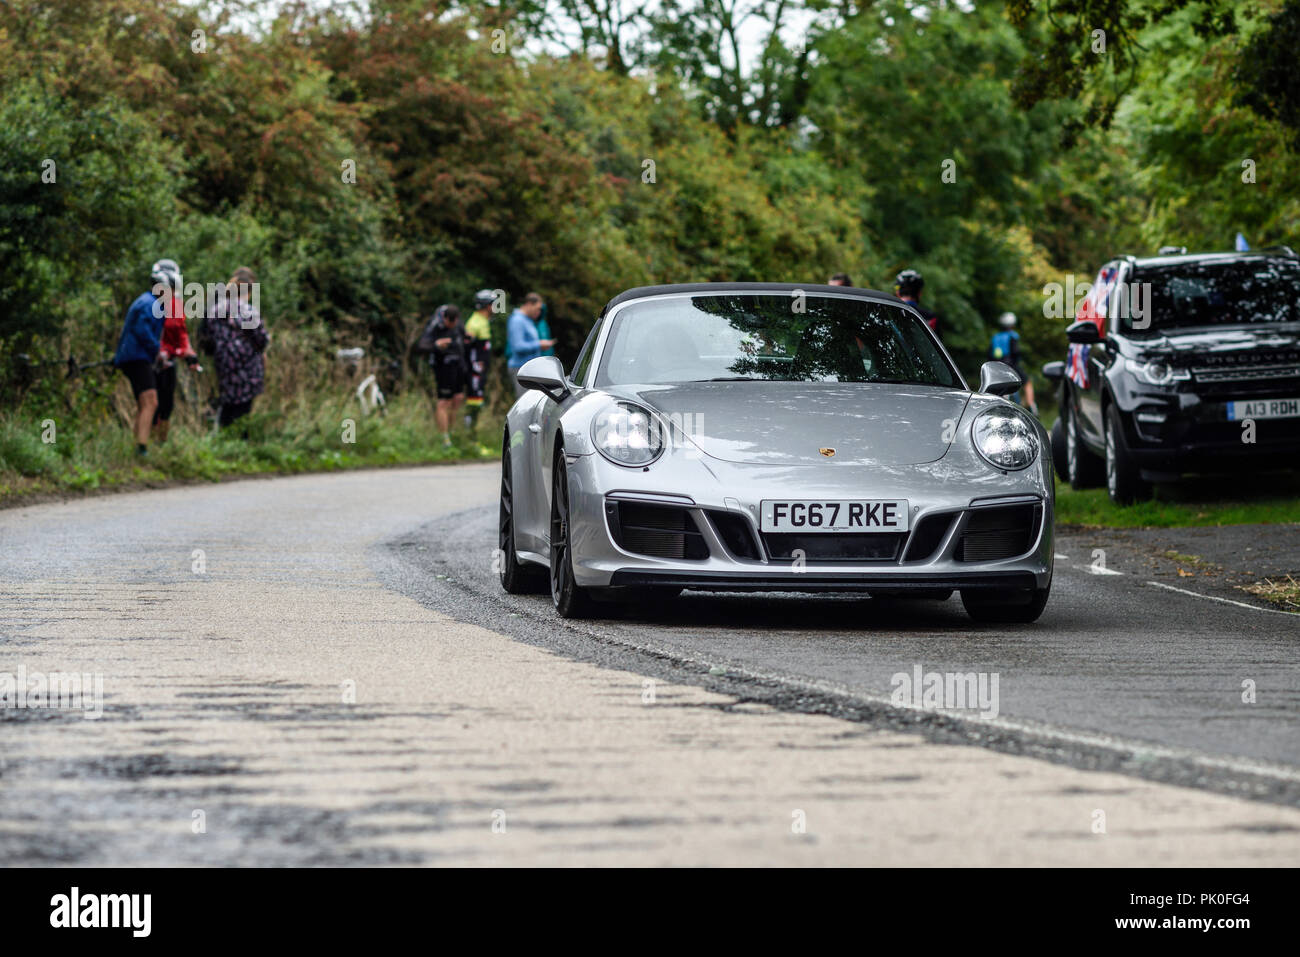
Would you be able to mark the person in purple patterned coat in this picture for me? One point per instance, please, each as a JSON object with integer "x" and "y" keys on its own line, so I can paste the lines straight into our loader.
{"x": 239, "y": 338}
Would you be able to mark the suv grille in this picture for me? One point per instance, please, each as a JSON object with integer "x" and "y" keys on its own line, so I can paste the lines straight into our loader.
{"x": 1246, "y": 373}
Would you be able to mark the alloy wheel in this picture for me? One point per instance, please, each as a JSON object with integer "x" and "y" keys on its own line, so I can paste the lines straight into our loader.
{"x": 559, "y": 535}
{"x": 1071, "y": 452}
{"x": 1112, "y": 471}
{"x": 505, "y": 517}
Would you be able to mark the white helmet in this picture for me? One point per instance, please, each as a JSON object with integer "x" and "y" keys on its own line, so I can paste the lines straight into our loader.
{"x": 1007, "y": 320}
{"x": 165, "y": 272}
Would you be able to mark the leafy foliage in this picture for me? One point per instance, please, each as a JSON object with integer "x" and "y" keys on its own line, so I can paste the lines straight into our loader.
{"x": 1266, "y": 73}
{"x": 371, "y": 160}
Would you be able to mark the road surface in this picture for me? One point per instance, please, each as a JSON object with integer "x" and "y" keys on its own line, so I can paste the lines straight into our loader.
{"x": 287, "y": 680}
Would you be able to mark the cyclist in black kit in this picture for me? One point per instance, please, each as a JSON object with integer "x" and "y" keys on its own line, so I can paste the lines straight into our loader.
{"x": 907, "y": 287}
{"x": 444, "y": 341}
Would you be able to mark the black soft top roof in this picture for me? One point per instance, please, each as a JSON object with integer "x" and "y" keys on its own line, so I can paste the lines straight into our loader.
{"x": 720, "y": 288}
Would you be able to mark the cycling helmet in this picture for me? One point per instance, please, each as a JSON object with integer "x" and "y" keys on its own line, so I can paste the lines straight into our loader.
{"x": 909, "y": 283}
{"x": 484, "y": 298}
{"x": 165, "y": 271}
{"x": 1007, "y": 320}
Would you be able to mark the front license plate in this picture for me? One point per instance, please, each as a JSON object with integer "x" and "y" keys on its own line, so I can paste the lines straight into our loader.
{"x": 1264, "y": 409}
{"x": 836, "y": 515}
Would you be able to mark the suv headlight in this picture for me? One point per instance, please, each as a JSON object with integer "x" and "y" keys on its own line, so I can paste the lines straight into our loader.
{"x": 1004, "y": 439}
{"x": 1159, "y": 372}
{"x": 628, "y": 435}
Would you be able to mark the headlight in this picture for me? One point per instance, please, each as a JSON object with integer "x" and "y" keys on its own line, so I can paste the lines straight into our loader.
{"x": 628, "y": 435}
{"x": 1004, "y": 439}
{"x": 1159, "y": 372}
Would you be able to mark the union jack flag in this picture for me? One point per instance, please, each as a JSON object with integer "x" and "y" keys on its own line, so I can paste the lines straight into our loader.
{"x": 1076, "y": 365}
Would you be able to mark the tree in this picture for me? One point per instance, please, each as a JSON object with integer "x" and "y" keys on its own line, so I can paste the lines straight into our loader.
{"x": 1088, "y": 50}
{"x": 78, "y": 201}
{"x": 1267, "y": 74}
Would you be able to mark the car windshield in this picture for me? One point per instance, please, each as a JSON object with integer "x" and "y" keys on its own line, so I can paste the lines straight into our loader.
{"x": 784, "y": 337}
{"x": 1218, "y": 294}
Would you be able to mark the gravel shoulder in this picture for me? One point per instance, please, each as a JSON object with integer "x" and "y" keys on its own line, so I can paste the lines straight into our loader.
{"x": 1227, "y": 561}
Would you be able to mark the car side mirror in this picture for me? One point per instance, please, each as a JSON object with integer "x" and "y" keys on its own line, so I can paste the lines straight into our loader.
{"x": 998, "y": 378}
{"x": 1083, "y": 333}
{"x": 1054, "y": 371}
{"x": 546, "y": 374}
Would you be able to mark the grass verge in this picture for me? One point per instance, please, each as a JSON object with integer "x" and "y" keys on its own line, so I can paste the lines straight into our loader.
{"x": 1283, "y": 593}
{"x": 1263, "y": 499}
{"x": 42, "y": 458}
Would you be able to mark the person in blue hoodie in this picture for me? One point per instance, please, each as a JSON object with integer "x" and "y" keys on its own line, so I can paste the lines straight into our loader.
{"x": 139, "y": 347}
{"x": 522, "y": 341}
{"x": 1005, "y": 347}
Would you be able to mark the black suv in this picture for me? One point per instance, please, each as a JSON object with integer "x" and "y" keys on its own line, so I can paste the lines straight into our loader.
{"x": 1199, "y": 371}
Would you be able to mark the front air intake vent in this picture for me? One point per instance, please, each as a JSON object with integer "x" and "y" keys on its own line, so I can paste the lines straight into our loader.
{"x": 734, "y": 530}
{"x": 995, "y": 533}
{"x": 928, "y": 536}
{"x": 833, "y": 546}
{"x": 657, "y": 531}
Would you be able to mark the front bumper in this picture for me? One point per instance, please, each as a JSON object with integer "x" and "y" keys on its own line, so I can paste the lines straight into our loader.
{"x": 945, "y": 548}
{"x": 1173, "y": 434}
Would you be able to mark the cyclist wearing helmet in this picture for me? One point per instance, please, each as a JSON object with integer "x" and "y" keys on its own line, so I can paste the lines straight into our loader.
{"x": 1005, "y": 347}
{"x": 478, "y": 350}
{"x": 444, "y": 340}
{"x": 175, "y": 345}
{"x": 139, "y": 346}
{"x": 907, "y": 287}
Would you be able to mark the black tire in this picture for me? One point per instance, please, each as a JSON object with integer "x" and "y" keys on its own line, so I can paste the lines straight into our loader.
{"x": 1012, "y": 606}
{"x": 1124, "y": 481}
{"x": 570, "y": 599}
{"x": 1059, "y": 458}
{"x": 517, "y": 578}
{"x": 1083, "y": 468}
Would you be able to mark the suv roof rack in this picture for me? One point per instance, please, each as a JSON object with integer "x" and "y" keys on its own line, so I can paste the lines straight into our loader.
{"x": 1277, "y": 249}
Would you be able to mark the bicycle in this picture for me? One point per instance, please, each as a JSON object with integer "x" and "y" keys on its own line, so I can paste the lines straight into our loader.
{"x": 368, "y": 393}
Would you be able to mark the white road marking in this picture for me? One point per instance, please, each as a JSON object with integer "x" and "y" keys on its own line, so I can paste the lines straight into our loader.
{"x": 1226, "y": 601}
{"x": 1061, "y": 558}
{"x": 1098, "y": 570}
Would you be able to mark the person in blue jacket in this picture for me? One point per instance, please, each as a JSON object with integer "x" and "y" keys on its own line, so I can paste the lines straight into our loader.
{"x": 544, "y": 331}
{"x": 1005, "y": 347}
{"x": 522, "y": 341}
{"x": 139, "y": 347}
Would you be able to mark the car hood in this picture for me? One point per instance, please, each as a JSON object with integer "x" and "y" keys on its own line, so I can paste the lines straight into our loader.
{"x": 789, "y": 423}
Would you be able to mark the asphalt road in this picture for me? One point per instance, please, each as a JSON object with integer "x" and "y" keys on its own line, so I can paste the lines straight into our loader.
{"x": 320, "y": 670}
{"x": 1116, "y": 653}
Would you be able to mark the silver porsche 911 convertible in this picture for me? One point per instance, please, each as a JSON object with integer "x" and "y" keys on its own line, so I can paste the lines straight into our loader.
{"x": 771, "y": 437}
